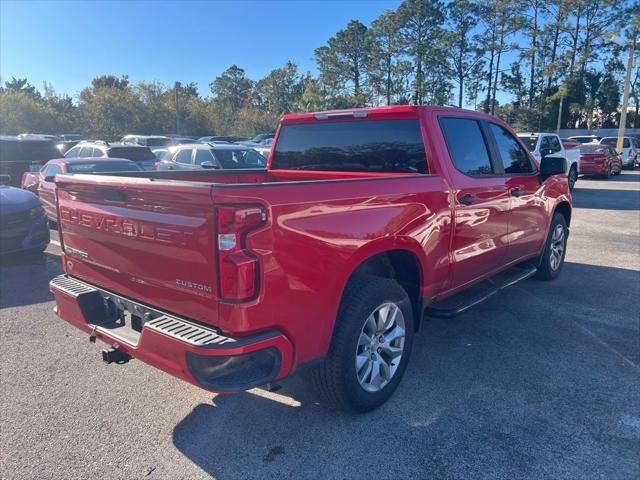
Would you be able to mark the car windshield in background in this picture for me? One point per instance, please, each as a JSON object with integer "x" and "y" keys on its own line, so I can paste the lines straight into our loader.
{"x": 136, "y": 154}
{"x": 530, "y": 142}
{"x": 613, "y": 141}
{"x": 593, "y": 149}
{"x": 353, "y": 146}
{"x": 159, "y": 142}
{"x": 239, "y": 159}
{"x": 103, "y": 166}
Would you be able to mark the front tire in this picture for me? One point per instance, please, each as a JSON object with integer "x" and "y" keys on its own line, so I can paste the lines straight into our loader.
{"x": 371, "y": 345}
{"x": 551, "y": 261}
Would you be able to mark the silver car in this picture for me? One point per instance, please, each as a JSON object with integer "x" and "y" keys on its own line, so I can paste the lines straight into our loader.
{"x": 629, "y": 150}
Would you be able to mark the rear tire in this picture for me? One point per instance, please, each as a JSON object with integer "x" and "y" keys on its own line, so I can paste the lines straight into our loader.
{"x": 370, "y": 350}
{"x": 572, "y": 177}
{"x": 551, "y": 261}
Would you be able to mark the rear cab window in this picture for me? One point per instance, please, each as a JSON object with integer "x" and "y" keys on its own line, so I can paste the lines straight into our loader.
{"x": 467, "y": 146}
{"x": 393, "y": 146}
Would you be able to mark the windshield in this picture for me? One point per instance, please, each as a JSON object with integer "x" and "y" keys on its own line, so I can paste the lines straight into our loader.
{"x": 613, "y": 141}
{"x": 530, "y": 142}
{"x": 352, "y": 146}
{"x": 132, "y": 153}
{"x": 103, "y": 166}
{"x": 239, "y": 158}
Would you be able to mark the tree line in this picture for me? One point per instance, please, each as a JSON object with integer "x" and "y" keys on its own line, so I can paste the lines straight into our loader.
{"x": 423, "y": 52}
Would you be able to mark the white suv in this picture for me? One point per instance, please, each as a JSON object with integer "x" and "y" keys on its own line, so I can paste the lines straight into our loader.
{"x": 629, "y": 150}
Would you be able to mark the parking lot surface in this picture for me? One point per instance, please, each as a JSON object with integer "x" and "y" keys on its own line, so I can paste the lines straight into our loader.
{"x": 542, "y": 381}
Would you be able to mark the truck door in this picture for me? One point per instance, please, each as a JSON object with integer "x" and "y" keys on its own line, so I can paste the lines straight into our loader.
{"x": 527, "y": 217}
{"x": 481, "y": 205}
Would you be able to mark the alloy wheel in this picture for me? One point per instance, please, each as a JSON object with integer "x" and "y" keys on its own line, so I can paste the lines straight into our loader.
{"x": 557, "y": 247}
{"x": 380, "y": 347}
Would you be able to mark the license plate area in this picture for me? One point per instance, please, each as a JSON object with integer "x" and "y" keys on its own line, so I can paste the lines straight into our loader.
{"x": 123, "y": 319}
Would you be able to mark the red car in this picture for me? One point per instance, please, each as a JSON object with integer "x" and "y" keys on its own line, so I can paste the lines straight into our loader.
{"x": 363, "y": 221}
{"x": 600, "y": 160}
{"x": 41, "y": 182}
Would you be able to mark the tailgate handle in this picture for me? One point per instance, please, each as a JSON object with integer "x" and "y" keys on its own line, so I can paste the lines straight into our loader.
{"x": 111, "y": 194}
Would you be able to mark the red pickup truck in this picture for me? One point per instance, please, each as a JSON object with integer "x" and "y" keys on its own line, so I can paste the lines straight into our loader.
{"x": 363, "y": 221}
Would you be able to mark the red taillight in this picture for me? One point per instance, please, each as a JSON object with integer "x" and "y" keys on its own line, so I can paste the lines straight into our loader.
{"x": 237, "y": 266}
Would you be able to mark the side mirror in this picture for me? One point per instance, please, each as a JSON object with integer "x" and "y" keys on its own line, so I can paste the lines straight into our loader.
{"x": 552, "y": 166}
{"x": 208, "y": 164}
{"x": 49, "y": 178}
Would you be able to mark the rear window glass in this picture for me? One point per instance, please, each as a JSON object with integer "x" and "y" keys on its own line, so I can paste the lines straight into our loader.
{"x": 103, "y": 167}
{"x": 530, "y": 142}
{"x": 28, "y": 151}
{"x": 353, "y": 146}
{"x": 239, "y": 159}
{"x": 612, "y": 142}
{"x": 132, "y": 153}
{"x": 593, "y": 149}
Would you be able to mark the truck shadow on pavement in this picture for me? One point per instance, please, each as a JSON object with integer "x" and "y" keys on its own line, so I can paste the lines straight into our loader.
{"x": 24, "y": 279}
{"x": 496, "y": 392}
{"x": 604, "y": 199}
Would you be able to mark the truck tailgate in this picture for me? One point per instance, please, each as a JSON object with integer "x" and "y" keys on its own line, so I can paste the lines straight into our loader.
{"x": 152, "y": 241}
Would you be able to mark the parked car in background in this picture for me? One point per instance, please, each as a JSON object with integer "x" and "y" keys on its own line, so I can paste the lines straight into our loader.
{"x": 222, "y": 139}
{"x": 216, "y": 156}
{"x": 265, "y": 148}
{"x": 549, "y": 144}
{"x": 585, "y": 138}
{"x": 259, "y": 140}
{"x": 231, "y": 279}
{"x": 41, "y": 182}
{"x": 600, "y": 160}
{"x": 629, "y": 150}
{"x": 38, "y": 136}
{"x": 567, "y": 143}
{"x": 23, "y": 223}
{"x": 19, "y": 155}
{"x": 71, "y": 137}
{"x": 148, "y": 140}
{"x": 143, "y": 156}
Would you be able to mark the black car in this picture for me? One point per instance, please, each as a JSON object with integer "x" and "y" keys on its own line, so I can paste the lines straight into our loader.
{"x": 143, "y": 156}
{"x": 18, "y": 155}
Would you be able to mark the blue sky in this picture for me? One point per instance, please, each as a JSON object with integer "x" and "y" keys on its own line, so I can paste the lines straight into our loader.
{"x": 69, "y": 43}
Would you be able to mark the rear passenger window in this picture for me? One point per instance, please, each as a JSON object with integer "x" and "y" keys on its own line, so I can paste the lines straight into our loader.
{"x": 514, "y": 159}
{"x": 183, "y": 156}
{"x": 86, "y": 152}
{"x": 466, "y": 145}
{"x": 203, "y": 156}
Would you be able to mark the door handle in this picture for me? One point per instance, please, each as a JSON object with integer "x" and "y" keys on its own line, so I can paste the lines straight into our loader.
{"x": 516, "y": 192}
{"x": 467, "y": 199}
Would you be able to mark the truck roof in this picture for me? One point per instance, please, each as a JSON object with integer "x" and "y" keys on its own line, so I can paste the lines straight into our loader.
{"x": 535, "y": 134}
{"x": 392, "y": 111}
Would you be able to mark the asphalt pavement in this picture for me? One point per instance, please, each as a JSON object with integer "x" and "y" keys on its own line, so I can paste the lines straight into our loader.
{"x": 542, "y": 381}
